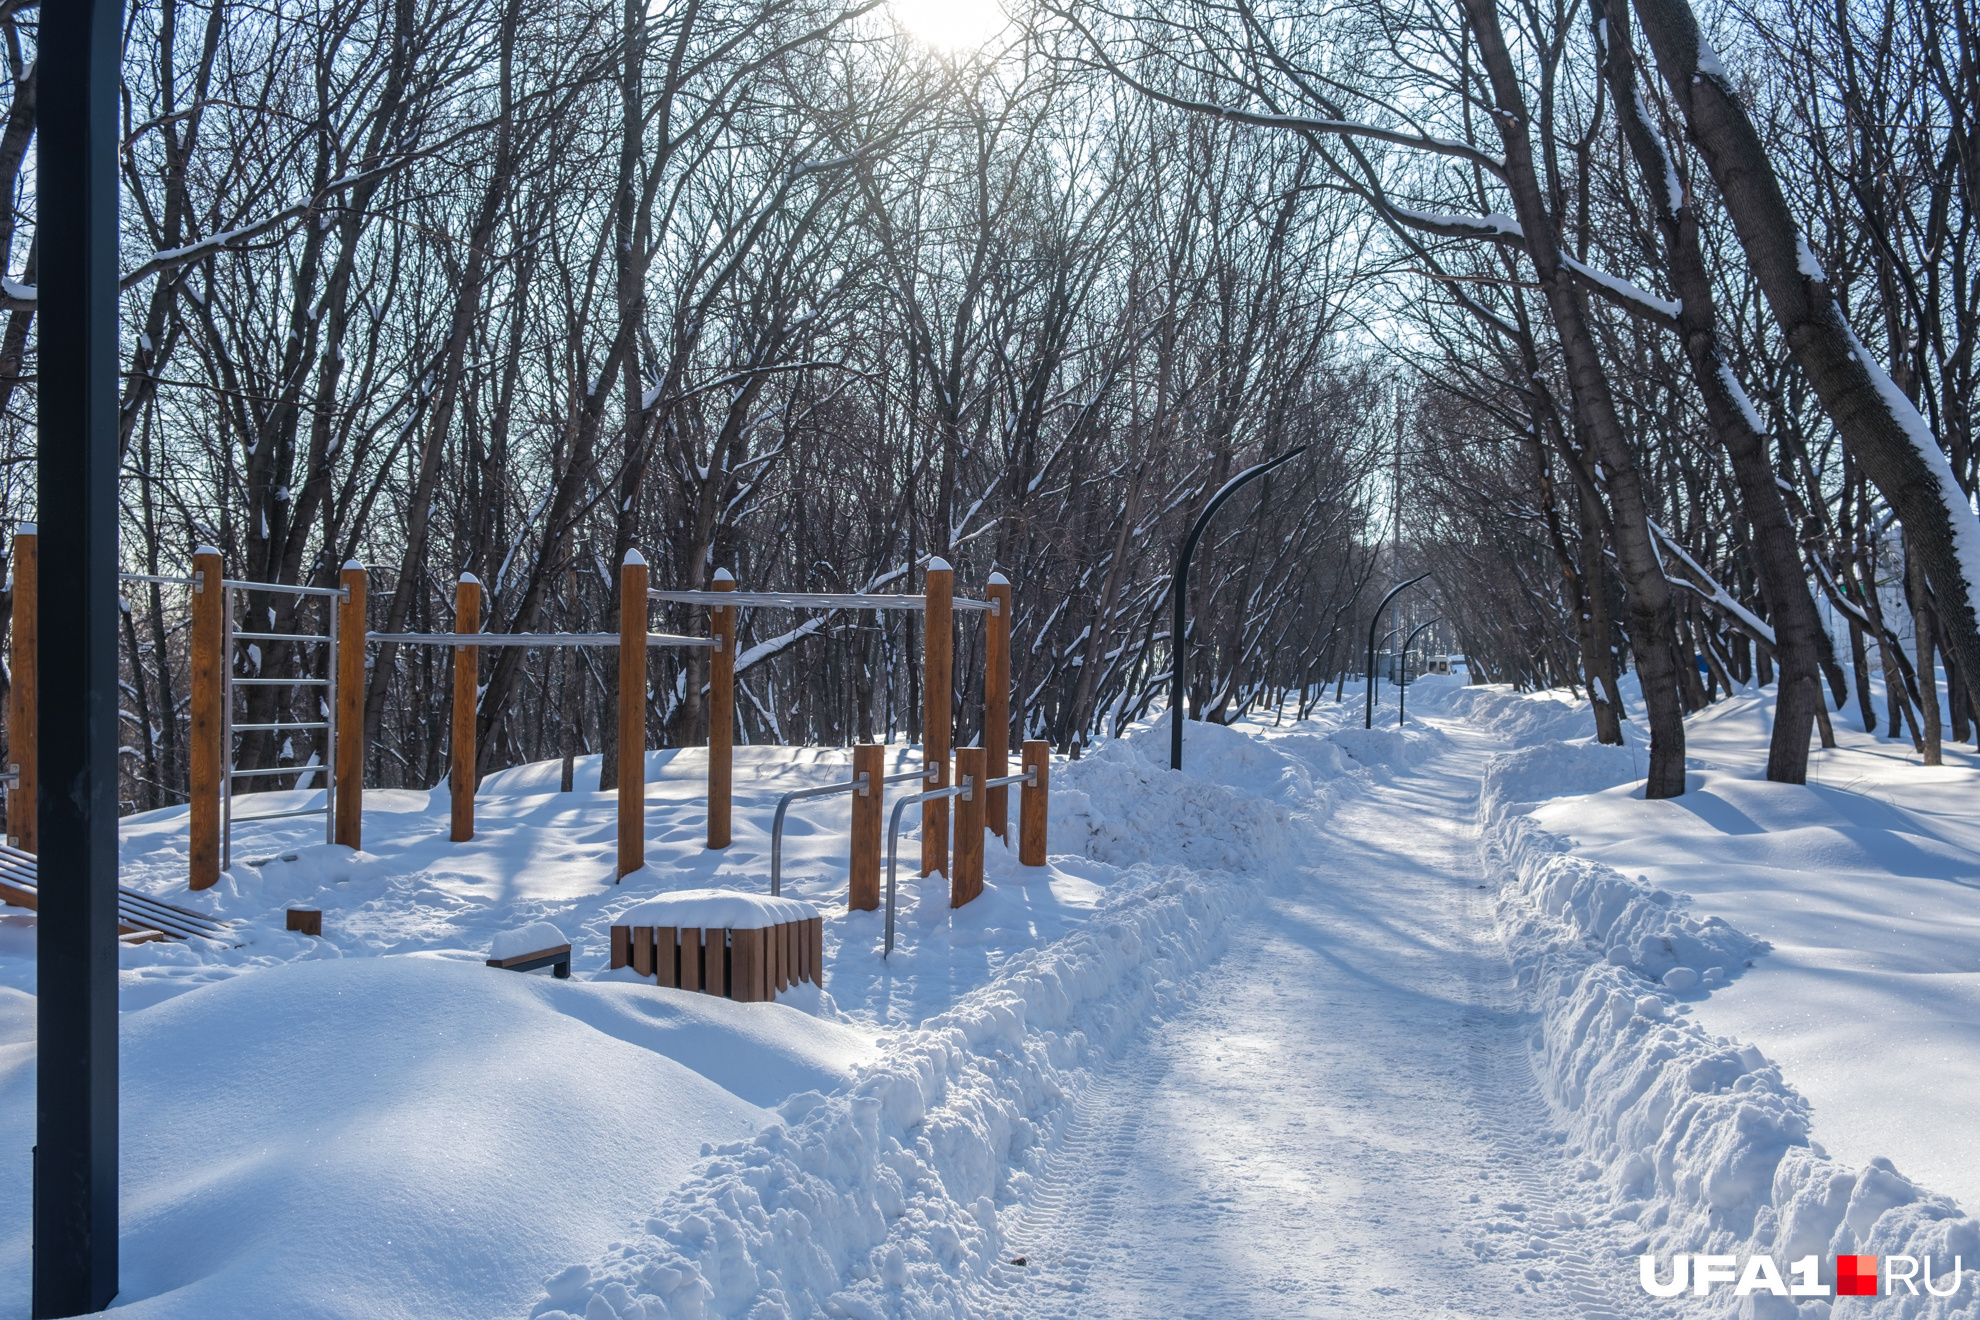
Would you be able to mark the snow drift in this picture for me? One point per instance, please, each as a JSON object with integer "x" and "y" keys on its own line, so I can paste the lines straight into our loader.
{"x": 1696, "y": 1138}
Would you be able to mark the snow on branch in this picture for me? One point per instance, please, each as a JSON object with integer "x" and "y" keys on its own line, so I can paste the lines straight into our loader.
{"x": 1708, "y": 586}
{"x": 1626, "y": 295}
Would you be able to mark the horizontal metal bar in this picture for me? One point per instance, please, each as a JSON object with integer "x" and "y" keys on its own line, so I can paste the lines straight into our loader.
{"x": 154, "y": 577}
{"x": 278, "y": 770}
{"x": 337, "y": 592}
{"x": 533, "y": 639}
{"x": 279, "y": 815}
{"x": 266, "y": 728}
{"x": 279, "y": 682}
{"x": 812, "y": 600}
{"x": 1028, "y": 777}
{"x": 279, "y": 637}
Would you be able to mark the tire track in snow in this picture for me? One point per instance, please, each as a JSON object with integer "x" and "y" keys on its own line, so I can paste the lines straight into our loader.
{"x": 1344, "y": 1122}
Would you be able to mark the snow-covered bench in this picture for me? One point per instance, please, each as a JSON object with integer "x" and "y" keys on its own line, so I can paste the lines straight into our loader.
{"x": 538, "y": 944}
{"x": 746, "y": 947}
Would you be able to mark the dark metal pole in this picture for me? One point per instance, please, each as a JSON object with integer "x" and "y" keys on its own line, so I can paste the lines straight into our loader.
{"x": 1402, "y": 688}
{"x": 75, "y": 1167}
{"x": 1179, "y": 592}
{"x": 1368, "y": 720}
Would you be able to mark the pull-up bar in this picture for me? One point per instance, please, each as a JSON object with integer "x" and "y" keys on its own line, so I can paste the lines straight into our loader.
{"x": 817, "y": 600}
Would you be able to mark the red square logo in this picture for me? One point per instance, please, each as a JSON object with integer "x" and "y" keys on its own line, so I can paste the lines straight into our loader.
{"x": 1856, "y": 1276}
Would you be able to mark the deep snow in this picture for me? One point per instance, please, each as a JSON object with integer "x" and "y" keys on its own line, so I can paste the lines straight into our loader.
{"x": 1252, "y": 1024}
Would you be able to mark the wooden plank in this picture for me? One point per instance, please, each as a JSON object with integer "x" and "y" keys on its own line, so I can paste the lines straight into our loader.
{"x": 997, "y": 704}
{"x": 715, "y": 962}
{"x": 1031, "y": 804}
{"x": 467, "y": 683}
{"x": 552, "y": 951}
{"x": 691, "y": 958}
{"x": 621, "y": 947}
{"x": 642, "y": 950}
{"x": 937, "y": 711}
{"x": 206, "y": 753}
{"x": 863, "y": 886}
{"x": 966, "y": 875}
{"x": 746, "y": 966}
{"x": 721, "y": 713}
{"x": 667, "y": 955}
{"x": 815, "y": 929}
{"x": 23, "y": 718}
{"x": 803, "y": 950}
{"x": 306, "y": 921}
{"x": 349, "y": 769}
{"x": 633, "y": 606}
{"x": 779, "y": 978}
{"x": 789, "y": 931}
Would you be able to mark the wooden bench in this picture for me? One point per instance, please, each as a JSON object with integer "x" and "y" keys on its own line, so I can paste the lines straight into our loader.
{"x": 557, "y": 958}
{"x": 746, "y": 947}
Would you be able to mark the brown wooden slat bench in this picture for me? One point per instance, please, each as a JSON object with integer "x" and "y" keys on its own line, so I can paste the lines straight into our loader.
{"x": 538, "y": 944}
{"x": 140, "y": 917}
{"x": 746, "y": 947}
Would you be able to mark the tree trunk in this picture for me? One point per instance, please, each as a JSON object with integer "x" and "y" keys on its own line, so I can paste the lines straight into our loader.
{"x": 1890, "y": 441}
{"x": 1649, "y": 598}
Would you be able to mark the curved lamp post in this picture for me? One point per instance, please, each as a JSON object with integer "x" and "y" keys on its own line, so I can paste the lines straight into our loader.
{"x": 1402, "y": 689}
{"x": 1368, "y": 720}
{"x": 1179, "y": 590}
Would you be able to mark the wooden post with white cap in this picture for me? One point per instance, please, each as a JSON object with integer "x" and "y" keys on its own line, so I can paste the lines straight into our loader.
{"x": 632, "y": 713}
{"x": 997, "y": 701}
{"x": 350, "y": 707}
{"x": 721, "y": 712}
{"x": 467, "y": 684}
{"x": 206, "y": 767}
{"x": 937, "y": 714}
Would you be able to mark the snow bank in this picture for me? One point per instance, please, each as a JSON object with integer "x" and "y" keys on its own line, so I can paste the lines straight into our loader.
{"x": 1696, "y": 1138}
{"x": 883, "y": 1201}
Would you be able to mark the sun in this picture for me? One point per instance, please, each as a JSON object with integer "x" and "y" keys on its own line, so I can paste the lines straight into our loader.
{"x": 951, "y": 24}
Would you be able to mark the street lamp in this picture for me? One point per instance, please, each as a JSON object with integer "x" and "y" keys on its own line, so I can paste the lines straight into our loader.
{"x": 1179, "y": 590}
{"x": 1402, "y": 689}
{"x": 1368, "y": 720}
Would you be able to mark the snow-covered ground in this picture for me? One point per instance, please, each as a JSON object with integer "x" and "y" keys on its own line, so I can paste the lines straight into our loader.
{"x": 1337, "y": 1022}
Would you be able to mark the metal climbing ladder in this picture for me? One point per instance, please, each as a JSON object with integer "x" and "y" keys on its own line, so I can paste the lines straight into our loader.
{"x": 326, "y": 709}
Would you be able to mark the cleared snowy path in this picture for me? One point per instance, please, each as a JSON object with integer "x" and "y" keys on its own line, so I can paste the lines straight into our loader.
{"x": 1343, "y": 1123}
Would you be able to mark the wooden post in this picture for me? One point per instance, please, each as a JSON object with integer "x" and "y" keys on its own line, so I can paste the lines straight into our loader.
{"x": 206, "y": 749}
{"x": 863, "y": 891}
{"x": 642, "y": 950}
{"x": 997, "y": 703}
{"x": 350, "y": 707}
{"x": 746, "y": 969}
{"x": 621, "y": 947}
{"x": 21, "y": 715}
{"x": 721, "y": 712}
{"x": 1031, "y": 804}
{"x": 937, "y": 712}
{"x": 467, "y": 683}
{"x": 632, "y": 713}
{"x": 715, "y": 962}
{"x": 691, "y": 958}
{"x": 667, "y": 955}
{"x": 967, "y": 881}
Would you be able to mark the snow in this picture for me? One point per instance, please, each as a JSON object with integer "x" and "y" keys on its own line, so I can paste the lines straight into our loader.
{"x": 470, "y": 579}
{"x": 1451, "y": 1001}
{"x": 1757, "y": 1000}
{"x": 937, "y": 564}
{"x": 719, "y": 908}
{"x": 1622, "y": 287}
{"x": 532, "y": 938}
{"x": 724, "y": 575}
{"x": 635, "y": 557}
